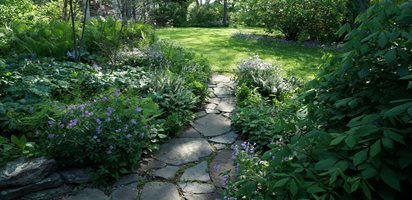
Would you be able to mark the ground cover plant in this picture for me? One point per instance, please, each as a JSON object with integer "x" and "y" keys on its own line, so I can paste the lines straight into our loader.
{"x": 351, "y": 137}
{"x": 224, "y": 51}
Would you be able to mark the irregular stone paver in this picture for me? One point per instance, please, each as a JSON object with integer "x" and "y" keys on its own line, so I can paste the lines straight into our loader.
{"x": 208, "y": 196}
{"x": 196, "y": 173}
{"x": 219, "y": 146}
{"x": 222, "y": 92}
{"x": 221, "y": 164}
{"x": 228, "y": 138}
{"x": 128, "y": 179}
{"x": 189, "y": 133}
{"x": 213, "y": 100}
{"x": 167, "y": 172}
{"x": 183, "y": 150}
{"x": 226, "y": 107}
{"x": 201, "y": 114}
{"x": 218, "y": 78}
{"x": 148, "y": 164}
{"x": 212, "y": 111}
{"x": 210, "y": 106}
{"x": 128, "y": 192}
{"x": 212, "y": 125}
{"x": 89, "y": 194}
{"x": 197, "y": 188}
{"x": 159, "y": 191}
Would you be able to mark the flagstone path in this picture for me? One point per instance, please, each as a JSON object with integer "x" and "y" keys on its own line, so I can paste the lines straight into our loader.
{"x": 194, "y": 166}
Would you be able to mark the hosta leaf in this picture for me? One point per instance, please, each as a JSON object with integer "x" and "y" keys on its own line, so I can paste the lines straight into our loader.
{"x": 383, "y": 40}
{"x": 397, "y": 110}
{"x": 293, "y": 188}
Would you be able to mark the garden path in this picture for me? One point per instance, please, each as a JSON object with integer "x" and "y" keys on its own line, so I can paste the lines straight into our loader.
{"x": 194, "y": 165}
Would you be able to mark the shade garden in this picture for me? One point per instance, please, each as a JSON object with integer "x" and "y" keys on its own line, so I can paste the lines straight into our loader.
{"x": 322, "y": 90}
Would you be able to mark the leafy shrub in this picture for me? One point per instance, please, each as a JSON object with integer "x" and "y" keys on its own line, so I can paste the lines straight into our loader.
{"x": 205, "y": 15}
{"x": 169, "y": 13}
{"x": 108, "y": 133}
{"x": 193, "y": 69}
{"x": 10, "y": 10}
{"x": 359, "y": 143}
{"x": 14, "y": 148}
{"x": 295, "y": 18}
{"x": 268, "y": 78}
{"x": 175, "y": 100}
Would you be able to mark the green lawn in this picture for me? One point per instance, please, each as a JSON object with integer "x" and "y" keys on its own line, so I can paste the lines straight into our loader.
{"x": 223, "y": 51}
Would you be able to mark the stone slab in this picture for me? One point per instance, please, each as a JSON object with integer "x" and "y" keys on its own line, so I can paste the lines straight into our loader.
{"x": 48, "y": 194}
{"x": 218, "y": 78}
{"x": 222, "y": 163}
{"x": 127, "y": 179}
{"x": 220, "y": 146}
{"x": 208, "y": 196}
{"x": 159, "y": 191}
{"x": 50, "y": 181}
{"x": 226, "y": 107}
{"x": 148, "y": 164}
{"x": 211, "y": 111}
{"x": 222, "y": 92}
{"x": 197, "y": 188}
{"x": 212, "y": 125}
{"x": 88, "y": 194}
{"x": 189, "y": 132}
{"x": 167, "y": 172}
{"x": 24, "y": 171}
{"x": 179, "y": 151}
{"x": 228, "y": 138}
{"x": 128, "y": 192}
{"x": 196, "y": 173}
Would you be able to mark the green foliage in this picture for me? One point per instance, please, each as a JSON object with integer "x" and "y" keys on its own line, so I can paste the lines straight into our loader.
{"x": 206, "y": 15}
{"x": 169, "y": 13}
{"x": 295, "y": 18}
{"x": 358, "y": 144}
{"x": 10, "y": 10}
{"x": 267, "y": 78}
{"x": 108, "y": 133}
{"x": 14, "y": 148}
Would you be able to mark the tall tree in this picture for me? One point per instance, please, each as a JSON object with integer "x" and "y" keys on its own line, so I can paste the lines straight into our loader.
{"x": 225, "y": 12}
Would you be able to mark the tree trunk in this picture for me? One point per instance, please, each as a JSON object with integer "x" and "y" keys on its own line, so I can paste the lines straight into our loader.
{"x": 224, "y": 12}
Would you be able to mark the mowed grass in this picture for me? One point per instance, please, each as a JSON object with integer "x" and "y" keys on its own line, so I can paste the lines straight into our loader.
{"x": 224, "y": 51}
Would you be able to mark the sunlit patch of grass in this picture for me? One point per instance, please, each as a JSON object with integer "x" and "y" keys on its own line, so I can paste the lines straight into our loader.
{"x": 224, "y": 51}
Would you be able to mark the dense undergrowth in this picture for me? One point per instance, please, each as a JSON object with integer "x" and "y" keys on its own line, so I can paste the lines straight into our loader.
{"x": 105, "y": 105}
{"x": 347, "y": 135}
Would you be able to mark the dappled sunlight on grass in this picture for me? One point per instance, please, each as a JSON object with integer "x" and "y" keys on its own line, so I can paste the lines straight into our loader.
{"x": 224, "y": 51}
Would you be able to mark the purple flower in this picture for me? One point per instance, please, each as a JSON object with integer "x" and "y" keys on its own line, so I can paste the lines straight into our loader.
{"x": 104, "y": 98}
{"x": 133, "y": 121}
{"x": 136, "y": 132}
{"x": 108, "y": 119}
{"x": 224, "y": 180}
{"x": 145, "y": 126}
{"x": 127, "y": 99}
{"x": 128, "y": 136}
{"x": 98, "y": 121}
{"x": 109, "y": 151}
{"x": 138, "y": 109}
{"x": 50, "y": 122}
{"x": 116, "y": 92}
{"x": 141, "y": 135}
{"x": 69, "y": 107}
{"x": 88, "y": 114}
{"x": 81, "y": 106}
{"x": 61, "y": 125}
{"x": 111, "y": 147}
{"x": 237, "y": 167}
{"x": 72, "y": 123}
{"x": 118, "y": 130}
{"x": 98, "y": 129}
{"x": 50, "y": 136}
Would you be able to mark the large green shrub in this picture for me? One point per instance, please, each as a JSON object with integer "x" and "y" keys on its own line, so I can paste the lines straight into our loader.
{"x": 169, "y": 13}
{"x": 358, "y": 144}
{"x": 206, "y": 15}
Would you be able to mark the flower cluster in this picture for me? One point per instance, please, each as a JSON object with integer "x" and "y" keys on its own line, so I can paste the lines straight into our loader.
{"x": 108, "y": 132}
